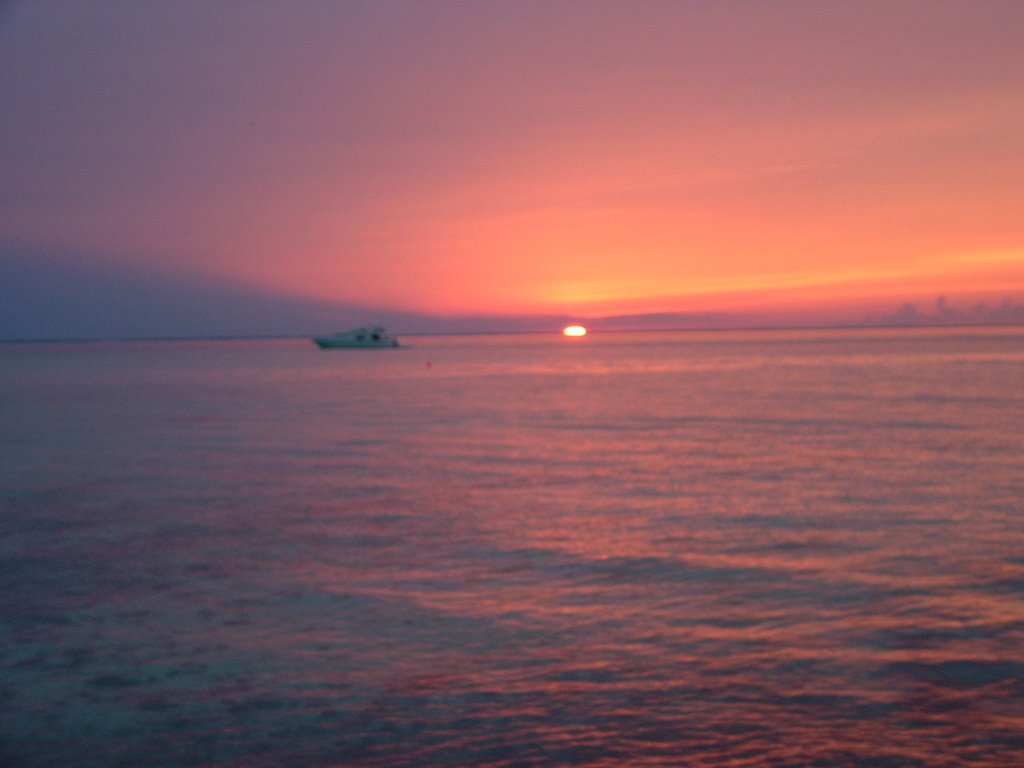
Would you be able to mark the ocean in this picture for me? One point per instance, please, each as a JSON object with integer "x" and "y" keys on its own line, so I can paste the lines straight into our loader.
{"x": 776, "y": 548}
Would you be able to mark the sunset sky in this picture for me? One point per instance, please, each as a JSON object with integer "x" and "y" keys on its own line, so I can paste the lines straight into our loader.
{"x": 803, "y": 159}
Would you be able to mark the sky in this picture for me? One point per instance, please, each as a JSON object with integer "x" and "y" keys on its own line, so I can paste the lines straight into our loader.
{"x": 220, "y": 166}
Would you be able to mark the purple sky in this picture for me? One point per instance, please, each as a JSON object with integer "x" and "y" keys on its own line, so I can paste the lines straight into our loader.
{"x": 548, "y": 158}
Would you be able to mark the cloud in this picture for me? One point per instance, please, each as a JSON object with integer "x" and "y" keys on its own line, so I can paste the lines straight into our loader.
{"x": 48, "y": 294}
{"x": 45, "y": 294}
{"x": 1006, "y": 312}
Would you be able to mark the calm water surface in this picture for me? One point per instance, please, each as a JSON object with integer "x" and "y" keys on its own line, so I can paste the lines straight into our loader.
{"x": 742, "y": 549}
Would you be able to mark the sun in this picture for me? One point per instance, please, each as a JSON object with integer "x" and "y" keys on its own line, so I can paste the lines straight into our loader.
{"x": 574, "y": 330}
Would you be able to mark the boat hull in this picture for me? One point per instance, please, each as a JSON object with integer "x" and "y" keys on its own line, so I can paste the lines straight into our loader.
{"x": 364, "y": 337}
{"x": 328, "y": 342}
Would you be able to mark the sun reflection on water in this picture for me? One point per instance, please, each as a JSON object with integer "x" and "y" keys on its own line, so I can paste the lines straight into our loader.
{"x": 657, "y": 553}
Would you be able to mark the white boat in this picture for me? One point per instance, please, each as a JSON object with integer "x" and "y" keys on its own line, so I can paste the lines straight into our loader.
{"x": 370, "y": 337}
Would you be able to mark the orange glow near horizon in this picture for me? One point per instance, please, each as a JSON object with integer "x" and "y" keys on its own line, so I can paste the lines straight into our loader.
{"x": 967, "y": 278}
{"x": 574, "y": 331}
{"x": 637, "y": 259}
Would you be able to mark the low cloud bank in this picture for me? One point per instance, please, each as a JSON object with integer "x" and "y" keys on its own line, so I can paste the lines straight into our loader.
{"x": 1008, "y": 312}
{"x": 73, "y": 295}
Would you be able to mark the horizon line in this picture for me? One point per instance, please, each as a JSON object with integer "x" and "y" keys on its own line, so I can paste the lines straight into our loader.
{"x": 513, "y": 332}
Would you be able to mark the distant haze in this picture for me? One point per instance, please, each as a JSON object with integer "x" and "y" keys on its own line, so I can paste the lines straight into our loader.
{"x": 220, "y": 167}
{"x": 60, "y": 296}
